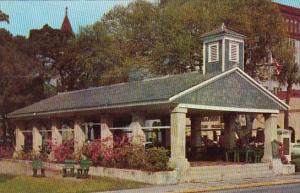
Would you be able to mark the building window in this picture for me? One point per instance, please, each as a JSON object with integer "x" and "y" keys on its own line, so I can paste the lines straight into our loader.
{"x": 213, "y": 52}
{"x": 234, "y": 52}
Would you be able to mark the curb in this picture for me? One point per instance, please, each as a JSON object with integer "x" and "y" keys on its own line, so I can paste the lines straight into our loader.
{"x": 239, "y": 186}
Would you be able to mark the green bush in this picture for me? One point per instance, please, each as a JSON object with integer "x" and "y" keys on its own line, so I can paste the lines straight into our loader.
{"x": 157, "y": 159}
{"x": 136, "y": 157}
{"x": 296, "y": 162}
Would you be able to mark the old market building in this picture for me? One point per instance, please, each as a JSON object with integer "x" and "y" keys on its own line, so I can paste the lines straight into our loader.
{"x": 223, "y": 89}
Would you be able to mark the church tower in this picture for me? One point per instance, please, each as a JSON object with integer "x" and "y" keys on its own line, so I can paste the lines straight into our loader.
{"x": 66, "y": 25}
{"x": 223, "y": 49}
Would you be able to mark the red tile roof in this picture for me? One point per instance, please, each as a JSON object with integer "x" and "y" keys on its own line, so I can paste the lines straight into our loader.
{"x": 282, "y": 94}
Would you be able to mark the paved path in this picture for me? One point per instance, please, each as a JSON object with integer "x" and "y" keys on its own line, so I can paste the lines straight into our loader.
{"x": 216, "y": 186}
{"x": 289, "y": 188}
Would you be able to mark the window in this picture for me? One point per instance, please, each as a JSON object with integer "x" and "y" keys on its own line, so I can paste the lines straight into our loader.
{"x": 213, "y": 52}
{"x": 234, "y": 52}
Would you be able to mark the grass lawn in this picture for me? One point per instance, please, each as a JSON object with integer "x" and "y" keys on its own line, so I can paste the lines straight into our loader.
{"x": 26, "y": 184}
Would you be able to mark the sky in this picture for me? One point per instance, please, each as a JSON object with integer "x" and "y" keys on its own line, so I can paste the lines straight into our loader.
{"x": 26, "y": 15}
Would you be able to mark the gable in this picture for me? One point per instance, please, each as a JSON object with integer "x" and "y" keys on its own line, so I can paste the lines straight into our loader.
{"x": 234, "y": 91}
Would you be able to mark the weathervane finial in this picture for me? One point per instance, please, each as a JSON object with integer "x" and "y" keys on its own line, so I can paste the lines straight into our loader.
{"x": 223, "y": 26}
{"x": 66, "y": 10}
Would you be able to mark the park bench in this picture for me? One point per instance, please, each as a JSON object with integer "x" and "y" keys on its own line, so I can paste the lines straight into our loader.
{"x": 69, "y": 167}
{"x": 83, "y": 170}
{"x": 36, "y": 166}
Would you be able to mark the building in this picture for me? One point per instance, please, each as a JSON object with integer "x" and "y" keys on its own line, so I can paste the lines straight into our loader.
{"x": 294, "y": 114}
{"x": 292, "y": 18}
{"x": 223, "y": 90}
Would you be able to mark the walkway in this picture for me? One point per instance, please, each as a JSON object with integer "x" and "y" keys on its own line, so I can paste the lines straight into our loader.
{"x": 216, "y": 186}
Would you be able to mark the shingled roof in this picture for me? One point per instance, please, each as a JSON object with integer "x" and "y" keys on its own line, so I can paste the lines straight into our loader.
{"x": 232, "y": 90}
{"x": 151, "y": 90}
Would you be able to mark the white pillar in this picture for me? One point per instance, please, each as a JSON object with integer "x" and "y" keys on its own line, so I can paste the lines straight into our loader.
{"x": 178, "y": 140}
{"x": 36, "y": 138}
{"x": 270, "y": 135}
{"x": 20, "y": 138}
{"x": 56, "y": 134}
{"x": 195, "y": 134}
{"x": 79, "y": 136}
{"x": 138, "y": 135}
{"x": 106, "y": 134}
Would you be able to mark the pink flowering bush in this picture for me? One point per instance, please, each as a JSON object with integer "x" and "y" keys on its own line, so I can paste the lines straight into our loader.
{"x": 123, "y": 154}
{"x": 6, "y": 152}
{"x": 64, "y": 151}
{"x": 283, "y": 158}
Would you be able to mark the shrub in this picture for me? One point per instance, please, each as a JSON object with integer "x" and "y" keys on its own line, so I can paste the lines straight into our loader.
{"x": 125, "y": 155}
{"x": 64, "y": 151}
{"x": 157, "y": 159}
{"x": 136, "y": 157}
{"x": 6, "y": 152}
{"x": 93, "y": 151}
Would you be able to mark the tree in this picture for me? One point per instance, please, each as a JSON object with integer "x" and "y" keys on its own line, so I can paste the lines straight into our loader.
{"x": 49, "y": 47}
{"x": 20, "y": 83}
{"x": 4, "y": 17}
{"x": 165, "y": 38}
{"x": 289, "y": 75}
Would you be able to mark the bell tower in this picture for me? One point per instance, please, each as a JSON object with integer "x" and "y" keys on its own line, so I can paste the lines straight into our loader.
{"x": 223, "y": 49}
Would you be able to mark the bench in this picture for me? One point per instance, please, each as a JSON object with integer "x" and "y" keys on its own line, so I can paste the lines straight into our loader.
{"x": 69, "y": 167}
{"x": 83, "y": 170}
{"x": 36, "y": 166}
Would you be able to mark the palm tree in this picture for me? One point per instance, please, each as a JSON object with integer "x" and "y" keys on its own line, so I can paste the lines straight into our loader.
{"x": 289, "y": 76}
{"x": 4, "y": 17}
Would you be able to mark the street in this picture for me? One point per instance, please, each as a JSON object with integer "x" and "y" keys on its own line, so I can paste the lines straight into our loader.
{"x": 290, "y": 188}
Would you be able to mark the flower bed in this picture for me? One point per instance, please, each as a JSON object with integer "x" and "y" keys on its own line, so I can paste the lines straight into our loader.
{"x": 125, "y": 155}
{"x": 6, "y": 152}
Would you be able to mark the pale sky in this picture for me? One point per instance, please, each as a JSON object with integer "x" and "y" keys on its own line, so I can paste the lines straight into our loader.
{"x": 26, "y": 15}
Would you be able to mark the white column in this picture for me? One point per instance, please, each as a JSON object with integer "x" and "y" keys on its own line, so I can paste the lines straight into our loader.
{"x": 36, "y": 138}
{"x": 106, "y": 134}
{"x": 56, "y": 134}
{"x": 178, "y": 140}
{"x": 20, "y": 138}
{"x": 138, "y": 135}
{"x": 79, "y": 136}
{"x": 270, "y": 135}
{"x": 195, "y": 134}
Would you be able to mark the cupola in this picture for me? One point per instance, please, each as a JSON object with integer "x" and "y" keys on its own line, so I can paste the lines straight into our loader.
{"x": 223, "y": 49}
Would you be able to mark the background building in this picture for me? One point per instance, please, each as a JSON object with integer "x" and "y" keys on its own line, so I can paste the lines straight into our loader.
{"x": 292, "y": 18}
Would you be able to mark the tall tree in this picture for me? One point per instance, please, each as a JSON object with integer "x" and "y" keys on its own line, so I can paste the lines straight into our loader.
{"x": 49, "y": 47}
{"x": 288, "y": 74}
{"x": 4, "y": 17}
{"x": 166, "y": 38}
{"x": 20, "y": 83}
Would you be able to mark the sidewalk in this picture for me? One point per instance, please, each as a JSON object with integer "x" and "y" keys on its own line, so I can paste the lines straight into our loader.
{"x": 215, "y": 186}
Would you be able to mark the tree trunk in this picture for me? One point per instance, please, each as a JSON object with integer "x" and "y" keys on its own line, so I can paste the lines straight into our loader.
{"x": 287, "y": 99}
{"x": 3, "y": 120}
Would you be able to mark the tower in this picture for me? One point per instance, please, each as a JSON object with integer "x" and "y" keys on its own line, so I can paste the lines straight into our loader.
{"x": 66, "y": 25}
{"x": 223, "y": 49}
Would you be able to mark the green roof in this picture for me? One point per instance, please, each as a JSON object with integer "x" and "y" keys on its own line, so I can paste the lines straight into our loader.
{"x": 232, "y": 90}
{"x": 150, "y": 90}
